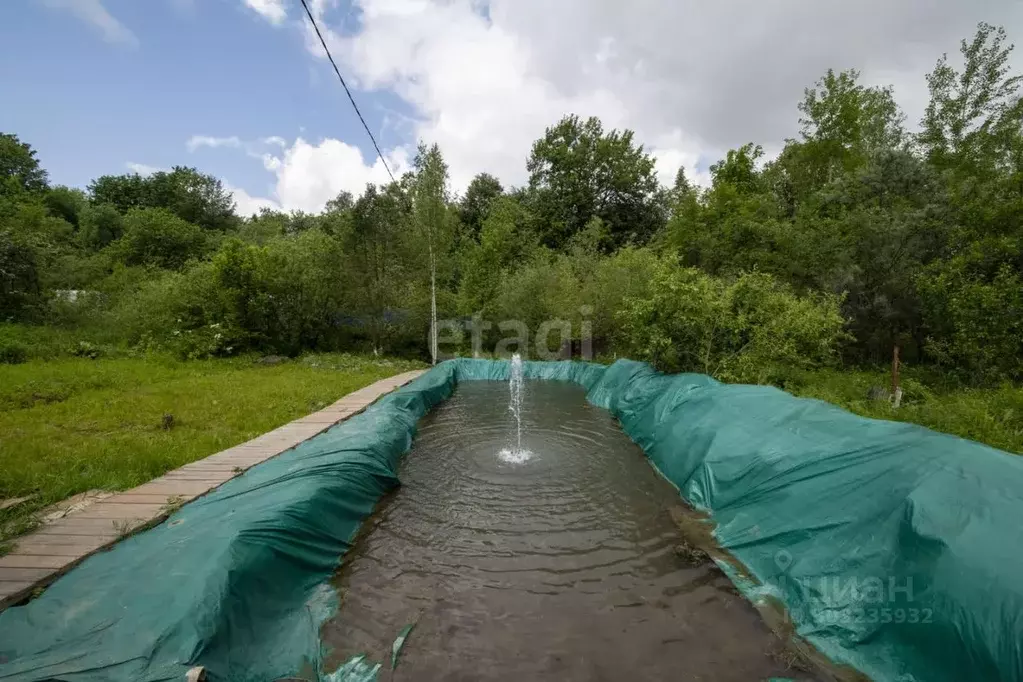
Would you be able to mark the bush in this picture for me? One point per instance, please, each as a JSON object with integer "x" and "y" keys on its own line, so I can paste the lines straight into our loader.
{"x": 977, "y": 324}
{"x": 20, "y": 293}
{"x": 12, "y": 352}
{"x": 280, "y": 298}
{"x": 84, "y": 349}
{"x": 157, "y": 237}
{"x": 100, "y": 225}
{"x": 753, "y": 329}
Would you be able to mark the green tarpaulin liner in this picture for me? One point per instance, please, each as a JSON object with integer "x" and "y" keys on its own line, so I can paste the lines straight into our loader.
{"x": 896, "y": 550}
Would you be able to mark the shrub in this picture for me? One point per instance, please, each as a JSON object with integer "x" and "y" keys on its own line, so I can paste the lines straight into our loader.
{"x": 977, "y": 324}
{"x": 12, "y": 352}
{"x": 84, "y": 349}
{"x": 99, "y": 225}
{"x": 752, "y": 329}
{"x": 157, "y": 237}
{"x": 20, "y": 292}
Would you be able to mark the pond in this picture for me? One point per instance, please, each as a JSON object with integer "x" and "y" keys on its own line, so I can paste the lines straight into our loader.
{"x": 558, "y": 561}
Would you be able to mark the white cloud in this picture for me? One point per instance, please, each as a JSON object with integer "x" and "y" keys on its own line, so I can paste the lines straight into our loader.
{"x": 197, "y": 141}
{"x": 275, "y": 140}
{"x": 271, "y": 10}
{"x": 96, "y": 15}
{"x": 692, "y": 78}
{"x": 246, "y": 204}
{"x": 308, "y": 176}
{"x": 142, "y": 169}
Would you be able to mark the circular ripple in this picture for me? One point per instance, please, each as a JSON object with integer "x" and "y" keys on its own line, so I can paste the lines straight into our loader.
{"x": 578, "y": 507}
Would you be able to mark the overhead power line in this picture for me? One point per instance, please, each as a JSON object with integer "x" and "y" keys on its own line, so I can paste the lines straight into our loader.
{"x": 348, "y": 92}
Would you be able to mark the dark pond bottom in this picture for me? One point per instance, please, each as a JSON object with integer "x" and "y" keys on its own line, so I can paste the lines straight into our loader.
{"x": 560, "y": 567}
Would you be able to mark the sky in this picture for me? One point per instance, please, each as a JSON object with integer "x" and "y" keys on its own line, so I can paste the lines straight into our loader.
{"x": 241, "y": 89}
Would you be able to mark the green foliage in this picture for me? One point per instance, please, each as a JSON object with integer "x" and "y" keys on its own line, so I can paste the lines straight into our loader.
{"x": 84, "y": 349}
{"x": 283, "y": 297}
{"x": 738, "y": 168}
{"x": 973, "y": 113}
{"x": 66, "y": 203}
{"x": 190, "y": 195}
{"x": 99, "y": 225}
{"x": 502, "y": 243}
{"x": 157, "y": 237}
{"x": 19, "y": 168}
{"x": 981, "y": 332}
{"x": 541, "y": 289}
{"x": 577, "y": 172}
{"x": 387, "y": 270}
{"x": 986, "y": 415}
{"x": 20, "y": 292}
{"x": 752, "y": 329}
{"x": 475, "y": 206}
{"x": 12, "y": 352}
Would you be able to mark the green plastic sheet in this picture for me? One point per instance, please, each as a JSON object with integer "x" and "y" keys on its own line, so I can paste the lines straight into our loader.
{"x": 894, "y": 549}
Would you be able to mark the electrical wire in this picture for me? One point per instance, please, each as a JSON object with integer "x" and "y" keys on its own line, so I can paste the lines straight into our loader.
{"x": 345, "y": 86}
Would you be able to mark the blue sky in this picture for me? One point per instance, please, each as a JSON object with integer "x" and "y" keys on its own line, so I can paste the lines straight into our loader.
{"x": 91, "y": 103}
{"x": 96, "y": 85}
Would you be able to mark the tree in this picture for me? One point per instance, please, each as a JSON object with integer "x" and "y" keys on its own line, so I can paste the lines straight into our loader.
{"x": 100, "y": 225}
{"x": 850, "y": 121}
{"x": 19, "y": 167}
{"x": 377, "y": 244}
{"x": 843, "y": 123}
{"x": 972, "y": 114}
{"x": 476, "y": 204}
{"x": 344, "y": 201}
{"x": 66, "y": 203}
{"x": 264, "y": 226}
{"x": 577, "y": 172}
{"x": 124, "y": 192}
{"x": 157, "y": 237}
{"x": 738, "y": 168}
{"x": 194, "y": 197}
{"x": 503, "y": 242}
{"x": 752, "y": 329}
{"x": 429, "y": 200}
{"x": 20, "y": 291}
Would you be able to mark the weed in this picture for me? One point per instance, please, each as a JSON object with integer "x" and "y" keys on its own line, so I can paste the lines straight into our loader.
{"x": 173, "y": 503}
{"x": 123, "y": 527}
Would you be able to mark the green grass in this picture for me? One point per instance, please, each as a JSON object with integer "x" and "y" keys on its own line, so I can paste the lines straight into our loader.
{"x": 73, "y": 424}
{"x": 988, "y": 415}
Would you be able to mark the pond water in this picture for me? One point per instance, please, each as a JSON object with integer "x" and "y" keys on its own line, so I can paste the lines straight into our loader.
{"x": 556, "y": 561}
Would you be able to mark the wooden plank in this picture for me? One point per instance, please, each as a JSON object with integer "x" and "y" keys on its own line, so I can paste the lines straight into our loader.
{"x": 160, "y": 486}
{"x": 160, "y": 499}
{"x": 21, "y": 575}
{"x": 34, "y": 561}
{"x": 71, "y": 546}
{"x": 9, "y": 591}
{"x": 99, "y": 528}
{"x": 116, "y": 509}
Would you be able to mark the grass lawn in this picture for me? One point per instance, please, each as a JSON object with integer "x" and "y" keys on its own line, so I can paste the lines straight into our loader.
{"x": 74, "y": 424}
{"x": 993, "y": 416}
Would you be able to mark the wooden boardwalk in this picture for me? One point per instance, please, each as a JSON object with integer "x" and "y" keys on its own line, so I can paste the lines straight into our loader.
{"x": 42, "y": 556}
